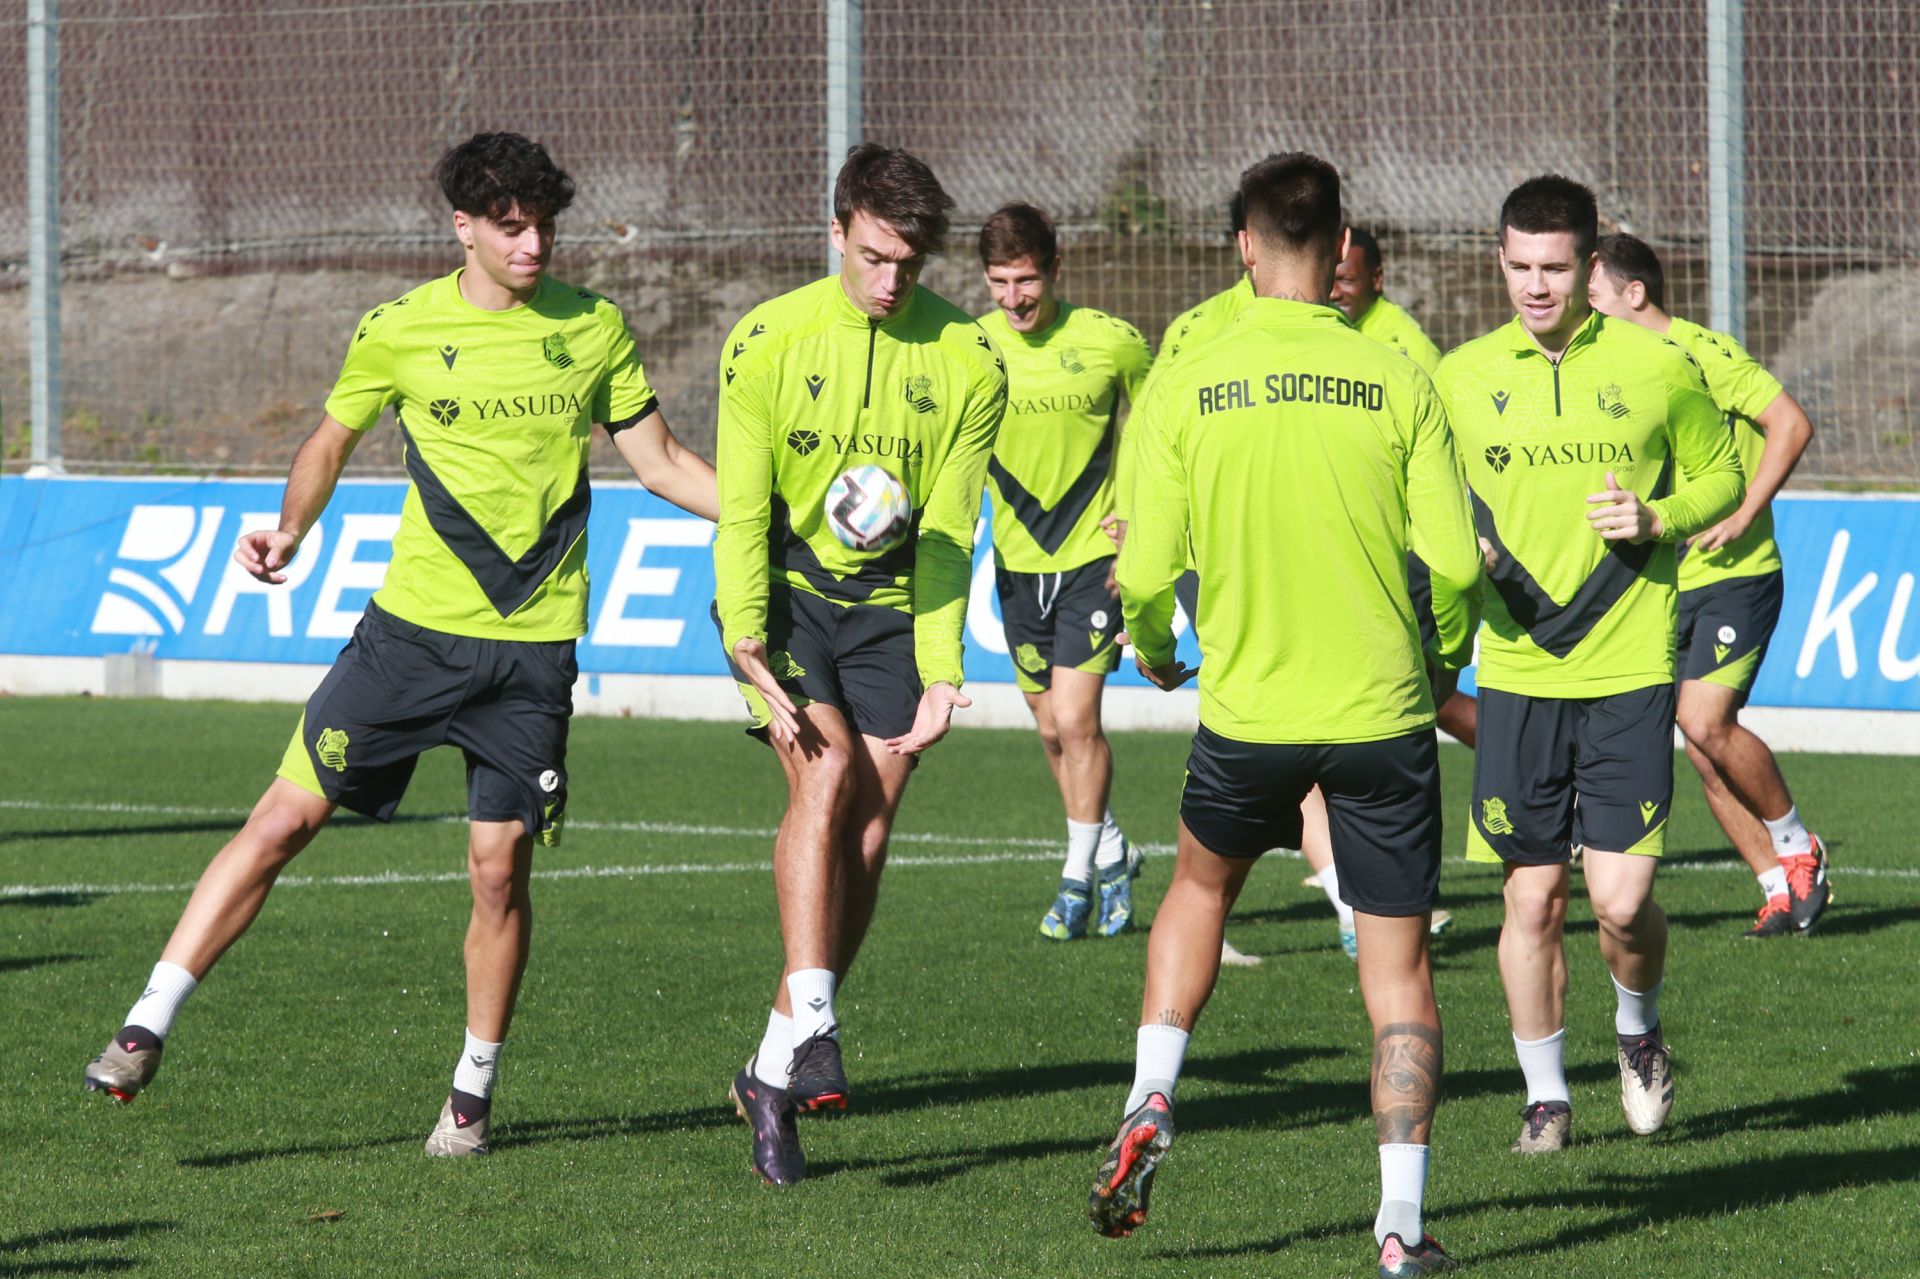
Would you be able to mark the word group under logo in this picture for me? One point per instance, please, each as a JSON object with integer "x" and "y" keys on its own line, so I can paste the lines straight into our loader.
{"x": 163, "y": 554}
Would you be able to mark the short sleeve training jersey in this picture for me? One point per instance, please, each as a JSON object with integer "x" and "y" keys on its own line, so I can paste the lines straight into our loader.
{"x": 1572, "y": 614}
{"x": 1052, "y": 473}
{"x": 1743, "y": 389}
{"x": 1304, "y": 462}
{"x": 1390, "y": 325}
{"x": 495, "y": 409}
{"x": 811, "y": 386}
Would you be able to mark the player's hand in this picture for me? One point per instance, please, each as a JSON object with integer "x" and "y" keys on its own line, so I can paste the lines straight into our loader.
{"x": 1727, "y": 530}
{"x": 1116, "y": 530}
{"x": 1113, "y": 582}
{"x": 1488, "y": 554}
{"x": 264, "y": 552}
{"x": 1167, "y": 676}
{"x": 931, "y": 720}
{"x": 750, "y": 655}
{"x": 1619, "y": 515}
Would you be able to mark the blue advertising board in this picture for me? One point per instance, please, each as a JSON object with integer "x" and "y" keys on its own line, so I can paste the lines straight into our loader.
{"x": 99, "y": 566}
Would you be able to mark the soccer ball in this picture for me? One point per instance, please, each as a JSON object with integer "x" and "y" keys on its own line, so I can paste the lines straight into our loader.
{"x": 868, "y": 509}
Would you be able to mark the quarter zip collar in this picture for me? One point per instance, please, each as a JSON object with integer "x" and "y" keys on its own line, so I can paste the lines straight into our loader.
{"x": 845, "y": 312}
{"x": 1523, "y": 343}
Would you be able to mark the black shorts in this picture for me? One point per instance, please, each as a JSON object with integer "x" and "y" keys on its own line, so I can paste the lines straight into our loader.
{"x": 1724, "y": 630}
{"x": 398, "y": 689}
{"x": 1552, "y": 772}
{"x": 857, "y": 658}
{"x": 1059, "y": 619}
{"x": 1383, "y": 810}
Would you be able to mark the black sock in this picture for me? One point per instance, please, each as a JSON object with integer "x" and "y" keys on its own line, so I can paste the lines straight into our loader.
{"x": 136, "y": 1038}
{"x": 467, "y": 1108}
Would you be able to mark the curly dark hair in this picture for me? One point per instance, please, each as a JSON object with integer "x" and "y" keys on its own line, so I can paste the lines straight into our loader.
{"x": 490, "y": 173}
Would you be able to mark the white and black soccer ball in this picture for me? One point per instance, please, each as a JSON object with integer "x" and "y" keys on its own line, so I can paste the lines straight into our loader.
{"x": 868, "y": 508}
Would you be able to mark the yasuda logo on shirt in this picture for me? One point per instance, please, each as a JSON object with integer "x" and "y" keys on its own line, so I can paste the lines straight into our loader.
{"x": 1498, "y": 456}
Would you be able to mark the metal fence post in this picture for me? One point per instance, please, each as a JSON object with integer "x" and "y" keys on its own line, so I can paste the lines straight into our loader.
{"x": 844, "y": 22}
{"x": 43, "y": 232}
{"x": 1726, "y": 168}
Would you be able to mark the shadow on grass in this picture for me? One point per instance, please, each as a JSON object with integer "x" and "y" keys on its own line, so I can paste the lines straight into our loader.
{"x": 905, "y": 1172}
{"x": 1840, "y": 921}
{"x": 11, "y": 1263}
{"x": 52, "y": 897}
{"x": 27, "y": 962}
{"x": 224, "y": 827}
{"x": 1866, "y": 1094}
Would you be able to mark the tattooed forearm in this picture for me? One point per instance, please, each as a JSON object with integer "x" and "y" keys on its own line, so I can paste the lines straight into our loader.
{"x": 1406, "y": 1080}
{"x": 1175, "y": 1018}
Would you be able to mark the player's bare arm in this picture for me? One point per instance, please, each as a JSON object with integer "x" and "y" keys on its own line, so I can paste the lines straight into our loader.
{"x": 1788, "y": 431}
{"x": 316, "y": 468}
{"x": 669, "y": 468}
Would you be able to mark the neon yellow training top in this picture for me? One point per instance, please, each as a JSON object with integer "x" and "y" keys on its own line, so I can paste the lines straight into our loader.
{"x": 1390, "y": 325}
{"x": 1743, "y": 389}
{"x": 1053, "y": 471}
{"x": 810, "y": 387}
{"x": 1304, "y": 462}
{"x": 496, "y": 409}
{"x": 1572, "y": 614}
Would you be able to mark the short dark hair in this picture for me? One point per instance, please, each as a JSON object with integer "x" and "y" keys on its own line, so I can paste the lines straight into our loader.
{"x": 1237, "y": 212}
{"x": 1294, "y": 198}
{"x": 490, "y": 173}
{"x": 1627, "y": 258}
{"x": 1015, "y": 231}
{"x": 1551, "y": 203}
{"x": 1369, "y": 247}
{"x": 896, "y": 187}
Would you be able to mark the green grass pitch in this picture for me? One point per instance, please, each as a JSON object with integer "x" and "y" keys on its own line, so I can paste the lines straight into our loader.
{"x": 283, "y": 1136}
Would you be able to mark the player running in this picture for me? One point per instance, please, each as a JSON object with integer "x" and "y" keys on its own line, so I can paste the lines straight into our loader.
{"x": 1730, "y": 592}
{"x": 1313, "y": 676}
{"x": 1559, "y": 413}
{"x": 849, "y": 659}
{"x": 496, "y": 374}
{"x": 1052, "y": 480}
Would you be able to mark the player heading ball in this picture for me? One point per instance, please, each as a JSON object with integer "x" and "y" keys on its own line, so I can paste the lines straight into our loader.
{"x": 849, "y": 659}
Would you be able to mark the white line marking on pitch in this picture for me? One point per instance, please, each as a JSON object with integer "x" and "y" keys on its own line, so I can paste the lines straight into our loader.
{"x": 670, "y": 868}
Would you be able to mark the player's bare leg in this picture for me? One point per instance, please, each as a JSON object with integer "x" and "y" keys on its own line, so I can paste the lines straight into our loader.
{"x": 1633, "y": 941}
{"x": 500, "y": 929}
{"x": 224, "y": 904}
{"x": 1533, "y": 972}
{"x": 499, "y": 935}
{"x": 1396, "y": 980}
{"x": 1750, "y": 800}
{"x": 1183, "y": 962}
{"x": 880, "y": 780}
{"x": 1316, "y": 845}
{"x": 1459, "y": 717}
{"x": 235, "y": 884}
{"x": 1097, "y": 864}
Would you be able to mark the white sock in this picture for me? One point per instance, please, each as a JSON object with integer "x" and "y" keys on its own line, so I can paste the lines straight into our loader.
{"x": 1773, "y": 883}
{"x": 479, "y": 1064}
{"x": 1790, "y": 838}
{"x": 1083, "y": 840}
{"x": 1330, "y": 884}
{"x": 1544, "y": 1063}
{"x": 1636, "y": 1012}
{"x": 1113, "y": 845}
{"x": 1403, "y": 1185}
{"x": 167, "y": 989}
{"x": 776, "y": 1051}
{"x": 1158, "y": 1052}
{"x": 812, "y": 992}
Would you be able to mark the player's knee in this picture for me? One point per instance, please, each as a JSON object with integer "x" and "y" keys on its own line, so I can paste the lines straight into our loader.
{"x": 284, "y": 825}
{"x": 1078, "y": 727}
{"x": 1535, "y": 910}
{"x": 1619, "y": 914}
{"x": 1050, "y": 738}
{"x": 1705, "y": 730}
{"x": 826, "y": 784}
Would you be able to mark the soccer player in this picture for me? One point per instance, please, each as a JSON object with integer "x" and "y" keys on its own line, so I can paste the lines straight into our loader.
{"x": 849, "y": 660}
{"x": 1052, "y": 480}
{"x": 1730, "y": 591}
{"x": 497, "y": 374}
{"x": 1311, "y": 676}
{"x": 1357, "y": 285}
{"x": 1564, "y": 411}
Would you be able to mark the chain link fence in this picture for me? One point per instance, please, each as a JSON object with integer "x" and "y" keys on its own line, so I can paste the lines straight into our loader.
{"x": 240, "y": 179}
